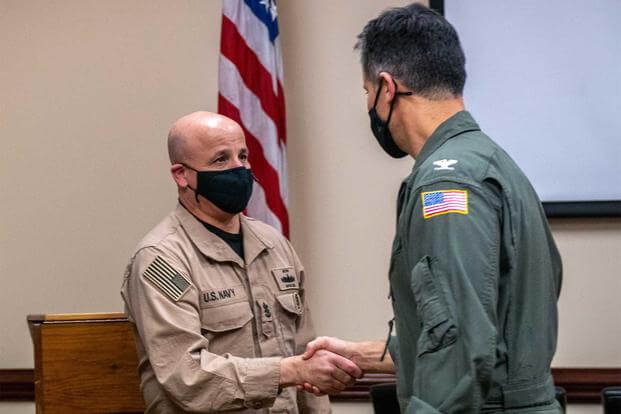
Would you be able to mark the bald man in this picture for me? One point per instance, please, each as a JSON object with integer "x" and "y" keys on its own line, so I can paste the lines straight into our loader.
{"x": 217, "y": 298}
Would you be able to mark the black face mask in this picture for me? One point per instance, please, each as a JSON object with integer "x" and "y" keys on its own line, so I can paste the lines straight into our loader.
{"x": 229, "y": 190}
{"x": 380, "y": 128}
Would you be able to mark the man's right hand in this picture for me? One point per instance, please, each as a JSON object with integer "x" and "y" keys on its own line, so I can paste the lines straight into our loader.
{"x": 327, "y": 371}
{"x": 336, "y": 345}
{"x": 366, "y": 355}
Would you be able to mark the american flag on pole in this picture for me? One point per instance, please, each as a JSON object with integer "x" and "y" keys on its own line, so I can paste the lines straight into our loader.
{"x": 440, "y": 202}
{"x": 251, "y": 93}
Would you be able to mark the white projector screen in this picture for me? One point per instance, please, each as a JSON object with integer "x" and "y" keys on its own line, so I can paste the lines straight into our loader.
{"x": 544, "y": 81}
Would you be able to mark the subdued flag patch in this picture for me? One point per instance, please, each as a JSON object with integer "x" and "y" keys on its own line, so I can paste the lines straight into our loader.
{"x": 166, "y": 278}
{"x": 436, "y": 203}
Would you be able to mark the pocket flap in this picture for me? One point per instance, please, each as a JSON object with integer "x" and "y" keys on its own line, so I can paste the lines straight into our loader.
{"x": 226, "y": 317}
{"x": 438, "y": 327}
{"x": 291, "y": 302}
{"x": 429, "y": 302}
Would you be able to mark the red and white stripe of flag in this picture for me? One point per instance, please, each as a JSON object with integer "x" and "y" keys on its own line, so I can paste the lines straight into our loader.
{"x": 251, "y": 93}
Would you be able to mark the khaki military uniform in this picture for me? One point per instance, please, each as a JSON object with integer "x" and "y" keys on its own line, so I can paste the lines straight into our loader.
{"x": 212, "y": 328}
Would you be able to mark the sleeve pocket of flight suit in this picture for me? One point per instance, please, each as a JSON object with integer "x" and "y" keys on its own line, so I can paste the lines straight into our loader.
{"x": 438, "y": 326}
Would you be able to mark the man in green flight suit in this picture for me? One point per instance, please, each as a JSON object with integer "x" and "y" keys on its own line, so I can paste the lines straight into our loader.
{"x": 475, "y": 275}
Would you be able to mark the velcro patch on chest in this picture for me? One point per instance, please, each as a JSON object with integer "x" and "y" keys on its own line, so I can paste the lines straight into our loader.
{"x": 436, "y": 203}
{"x": 166, "y": 278}
{"x": 286, "y": 278}
{"x": 266, "y": 310}
{"x": 222, "y": 296}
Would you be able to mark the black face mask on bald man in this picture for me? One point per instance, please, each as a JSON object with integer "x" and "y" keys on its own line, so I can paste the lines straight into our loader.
{"x": 229, "y": 190}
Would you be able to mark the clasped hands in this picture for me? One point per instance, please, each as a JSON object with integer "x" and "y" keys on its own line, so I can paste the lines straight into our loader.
{"x": 325, "y": 368}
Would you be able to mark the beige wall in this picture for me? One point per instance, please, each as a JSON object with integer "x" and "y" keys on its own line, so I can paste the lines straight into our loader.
{"x": 88, "y": 91}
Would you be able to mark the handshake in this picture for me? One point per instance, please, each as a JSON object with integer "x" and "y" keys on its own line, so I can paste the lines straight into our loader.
{"x": 328, "y": 366}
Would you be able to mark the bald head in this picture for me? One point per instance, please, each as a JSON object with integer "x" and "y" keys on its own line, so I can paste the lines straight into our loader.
{"x": 206, "y": 145}
{"x": 193, "y": 136}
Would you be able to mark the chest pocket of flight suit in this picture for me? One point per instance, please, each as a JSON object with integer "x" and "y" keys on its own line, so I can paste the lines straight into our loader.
{"x": 227, "y": 329}
{"x": 292, "y": 309}
{"x": 438, "y": 326}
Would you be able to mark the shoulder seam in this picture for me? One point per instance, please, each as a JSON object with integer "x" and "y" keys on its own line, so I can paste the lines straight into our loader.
{"x": 489, "y": 164}
{"x": 159, "y": 240}
{"x": 458, "y": 180}
{"x": 157, "y": 246}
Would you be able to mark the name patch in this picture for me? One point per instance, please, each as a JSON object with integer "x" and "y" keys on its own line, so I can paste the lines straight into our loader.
{"x": 222, "y": 296}
{"x": 286, "y": 278}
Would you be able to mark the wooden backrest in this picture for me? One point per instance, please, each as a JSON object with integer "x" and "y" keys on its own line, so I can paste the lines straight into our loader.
{"x": 85, "y": 363}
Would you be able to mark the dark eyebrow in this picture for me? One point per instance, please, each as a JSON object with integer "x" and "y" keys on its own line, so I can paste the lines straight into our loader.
{"x": 220, "y": 153}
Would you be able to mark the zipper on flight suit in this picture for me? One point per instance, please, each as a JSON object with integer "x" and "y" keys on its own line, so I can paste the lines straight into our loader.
{"x": 390, "y": 326}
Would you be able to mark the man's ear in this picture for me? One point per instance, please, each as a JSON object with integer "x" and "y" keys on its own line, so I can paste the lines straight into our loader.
{"x": 178, "y": 173}
{"x": 387, "y": 84}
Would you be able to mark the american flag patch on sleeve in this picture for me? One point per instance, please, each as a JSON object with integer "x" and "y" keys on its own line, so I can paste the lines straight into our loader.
{"x": 436, "y": 203}
{"x": 166, "y": 278}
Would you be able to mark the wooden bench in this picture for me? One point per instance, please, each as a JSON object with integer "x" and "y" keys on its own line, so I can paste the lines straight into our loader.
{"x": 85, "y": 363}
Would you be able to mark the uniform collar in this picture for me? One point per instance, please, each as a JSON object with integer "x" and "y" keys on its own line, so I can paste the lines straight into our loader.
{"x": 254, "y": 240}
{"x": 457, "y": 124}
{"x": 214, "y": 247}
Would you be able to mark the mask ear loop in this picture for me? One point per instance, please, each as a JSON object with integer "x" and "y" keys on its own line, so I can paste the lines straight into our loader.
{"x": 193, "y": 189}
{"x": 392, "y": 104}
{"x": 379, "y": 89}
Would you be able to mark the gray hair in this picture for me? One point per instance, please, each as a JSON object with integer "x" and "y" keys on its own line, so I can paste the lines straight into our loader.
{"x": 417, "y": 46}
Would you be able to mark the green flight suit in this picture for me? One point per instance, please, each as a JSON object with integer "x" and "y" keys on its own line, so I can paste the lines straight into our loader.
{"x": 475, "y": 278}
